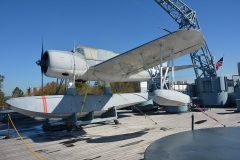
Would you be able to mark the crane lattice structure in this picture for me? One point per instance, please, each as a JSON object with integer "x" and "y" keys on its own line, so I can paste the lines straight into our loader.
{"x": 186, "y": 18}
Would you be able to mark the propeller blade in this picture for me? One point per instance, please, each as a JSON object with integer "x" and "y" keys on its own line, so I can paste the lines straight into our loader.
{"x": 42, "y": 50}
{"x": 40, "y": 63}
{"x": 74, "y": 50}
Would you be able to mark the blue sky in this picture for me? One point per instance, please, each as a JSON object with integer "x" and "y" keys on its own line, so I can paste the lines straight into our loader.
{"x": 108, "y": 24}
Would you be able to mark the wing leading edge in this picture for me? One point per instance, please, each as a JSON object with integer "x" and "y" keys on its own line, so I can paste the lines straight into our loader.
{"x": 146, "y": 56}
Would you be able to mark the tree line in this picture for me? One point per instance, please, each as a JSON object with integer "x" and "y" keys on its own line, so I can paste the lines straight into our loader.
{"x": 83, "y": 88}
{"x": 53, "y": 88}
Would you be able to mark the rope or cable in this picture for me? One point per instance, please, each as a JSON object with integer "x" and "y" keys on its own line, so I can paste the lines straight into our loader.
{"x": 37, "y": 156}
{"x": 146, "y": 116}
{"x": 209, "y": 116}
{"x": 84, "y": 99}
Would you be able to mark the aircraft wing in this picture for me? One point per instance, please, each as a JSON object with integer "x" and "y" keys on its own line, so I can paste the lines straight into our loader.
{"x": 178, "y": 68}
{"x": 148, "y": 55}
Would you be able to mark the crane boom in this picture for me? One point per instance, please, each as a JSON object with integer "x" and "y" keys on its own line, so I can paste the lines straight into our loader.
{"x": 186, "y": 18}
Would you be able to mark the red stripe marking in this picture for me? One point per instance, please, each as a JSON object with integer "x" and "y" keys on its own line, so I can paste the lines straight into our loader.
{"x": 43, "y": 104}
{"x": 45, "y": 107}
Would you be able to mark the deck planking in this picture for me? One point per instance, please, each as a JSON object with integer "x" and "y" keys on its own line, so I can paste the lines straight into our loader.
{"x": 127, "y": 140}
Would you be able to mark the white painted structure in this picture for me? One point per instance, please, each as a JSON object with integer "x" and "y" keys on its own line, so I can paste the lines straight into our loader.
{"x": 170, "y": 98}
{"x": 100, "y": 65}
{"x": 143, "y": 86}
{"x": 66, "y": 105}
{"x": 91, "y": 64}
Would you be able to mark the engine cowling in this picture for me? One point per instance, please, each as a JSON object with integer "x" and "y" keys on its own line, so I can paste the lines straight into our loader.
{"x": 63, "y": 64}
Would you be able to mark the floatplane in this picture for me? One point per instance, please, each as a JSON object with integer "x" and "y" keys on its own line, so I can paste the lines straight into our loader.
{"x": 90, "y": 64}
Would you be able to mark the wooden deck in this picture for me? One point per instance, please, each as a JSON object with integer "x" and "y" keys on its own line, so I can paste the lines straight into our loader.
{"x": 127, "y": 140}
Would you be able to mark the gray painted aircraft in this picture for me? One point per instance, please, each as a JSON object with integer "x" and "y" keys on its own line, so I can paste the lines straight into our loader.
{"x": 87, "y": 64}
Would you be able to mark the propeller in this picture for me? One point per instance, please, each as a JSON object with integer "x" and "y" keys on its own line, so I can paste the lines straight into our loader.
{"x": 40, "y": 63}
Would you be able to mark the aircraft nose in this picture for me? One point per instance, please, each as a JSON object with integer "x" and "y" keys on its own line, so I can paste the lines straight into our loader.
{"x": 43, "y": 62}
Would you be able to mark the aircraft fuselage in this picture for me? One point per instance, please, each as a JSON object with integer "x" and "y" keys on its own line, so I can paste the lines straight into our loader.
{"x": 66, "y": 64}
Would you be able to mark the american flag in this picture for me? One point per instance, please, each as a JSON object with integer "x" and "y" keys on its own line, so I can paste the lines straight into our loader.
{"x": 219, "y": 63}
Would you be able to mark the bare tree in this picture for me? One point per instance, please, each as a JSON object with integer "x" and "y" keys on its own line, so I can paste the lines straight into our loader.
{"x": 17, "y": 92}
